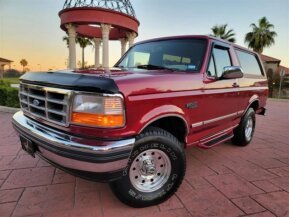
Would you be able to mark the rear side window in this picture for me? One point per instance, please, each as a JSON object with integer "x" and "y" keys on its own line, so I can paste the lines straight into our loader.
{"x": 249, "y": 63}
{"x": 222, "y": 59}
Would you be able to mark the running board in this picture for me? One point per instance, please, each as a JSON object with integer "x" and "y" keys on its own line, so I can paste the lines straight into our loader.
{"x": 216, "y": 141}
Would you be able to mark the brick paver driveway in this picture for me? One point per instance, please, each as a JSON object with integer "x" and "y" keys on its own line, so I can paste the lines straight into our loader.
{"x": 224, "y": 181}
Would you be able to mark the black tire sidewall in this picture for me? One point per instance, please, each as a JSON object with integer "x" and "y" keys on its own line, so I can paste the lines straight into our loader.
{"x": 130, "y": 195}
{"x": 249, "y": 113}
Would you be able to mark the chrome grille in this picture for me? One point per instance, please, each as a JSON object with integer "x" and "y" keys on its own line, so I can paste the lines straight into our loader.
{"x": 50, "y": 104}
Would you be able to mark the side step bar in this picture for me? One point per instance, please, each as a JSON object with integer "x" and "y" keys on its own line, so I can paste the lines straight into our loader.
{"x": 218, "y": 140}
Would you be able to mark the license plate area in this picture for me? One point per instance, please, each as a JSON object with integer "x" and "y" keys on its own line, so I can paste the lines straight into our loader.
{"x": 28, "y": 146}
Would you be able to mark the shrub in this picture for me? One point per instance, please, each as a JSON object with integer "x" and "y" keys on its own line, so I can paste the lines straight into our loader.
{"x": 3, "y": 94}
{"x": 8, "y": 95}
{"x": 12, "y": 99}
{"x": 12, "y": 73}
{"x": 4, "y": 83}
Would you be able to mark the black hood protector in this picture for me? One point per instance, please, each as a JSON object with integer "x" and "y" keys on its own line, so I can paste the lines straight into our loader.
{"x": 72, "y": 81}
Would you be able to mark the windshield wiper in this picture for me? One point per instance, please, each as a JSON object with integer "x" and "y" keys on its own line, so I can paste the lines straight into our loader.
{"x": 118, "y": 66}
{"x": 151, "y": 67}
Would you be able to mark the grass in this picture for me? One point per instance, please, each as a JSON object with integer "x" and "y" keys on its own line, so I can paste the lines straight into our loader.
{"x": 11, "y": 80}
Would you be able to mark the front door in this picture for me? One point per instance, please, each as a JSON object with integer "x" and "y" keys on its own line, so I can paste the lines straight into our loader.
{"x": 221, "y": 95}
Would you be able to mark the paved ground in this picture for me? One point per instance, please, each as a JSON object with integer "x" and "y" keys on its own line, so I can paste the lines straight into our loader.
{"x": 223, "y": 181}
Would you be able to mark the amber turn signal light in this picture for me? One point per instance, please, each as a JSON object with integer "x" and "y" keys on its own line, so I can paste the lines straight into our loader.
{"x": 97, "y": 119}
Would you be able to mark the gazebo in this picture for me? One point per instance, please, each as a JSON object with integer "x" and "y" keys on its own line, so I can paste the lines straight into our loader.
{"x": 102, "y": 21}
{"x": 3, "y": 63}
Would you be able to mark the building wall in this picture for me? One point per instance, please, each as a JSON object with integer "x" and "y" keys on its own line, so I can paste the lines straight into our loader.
{"x": 273, "y": 66}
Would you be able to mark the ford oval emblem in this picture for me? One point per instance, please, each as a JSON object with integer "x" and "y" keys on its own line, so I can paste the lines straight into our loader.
{"x": 36, "y": 102}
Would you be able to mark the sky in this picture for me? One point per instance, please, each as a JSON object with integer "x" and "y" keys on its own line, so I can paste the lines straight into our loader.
{"x": 30, "y": 28}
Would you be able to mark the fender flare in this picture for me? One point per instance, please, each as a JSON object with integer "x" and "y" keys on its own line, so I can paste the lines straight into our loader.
{"x": 158, "y": 113}
{"x": 253, "y": 99}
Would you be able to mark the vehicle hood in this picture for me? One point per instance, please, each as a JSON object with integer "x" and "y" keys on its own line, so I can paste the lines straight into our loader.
{"x": 138, "y": 82}
{"x": 142, "y": 82}
{"x": 71, "y": 80}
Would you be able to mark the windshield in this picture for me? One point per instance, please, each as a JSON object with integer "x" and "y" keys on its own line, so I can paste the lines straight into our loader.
{"x": 176, "y": 54}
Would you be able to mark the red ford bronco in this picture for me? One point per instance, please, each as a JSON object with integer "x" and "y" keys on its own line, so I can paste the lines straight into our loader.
{"x": 131, "y": 124}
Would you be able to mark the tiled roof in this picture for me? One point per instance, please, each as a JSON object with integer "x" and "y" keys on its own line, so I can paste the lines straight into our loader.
{"x": 5, "y": 60}
{"x": 269, "y": 59}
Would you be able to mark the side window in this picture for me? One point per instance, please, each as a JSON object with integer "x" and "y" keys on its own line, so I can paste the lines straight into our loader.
{"x": 211, "y": 69}
{"x": 249, "y": 63}
{"x": 222, "y": 59}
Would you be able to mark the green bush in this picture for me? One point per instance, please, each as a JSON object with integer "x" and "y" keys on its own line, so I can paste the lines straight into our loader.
{"x": 12, "y": 99}
{"x": 4, "y": 83}
{"x": 3, "y": 95}
{"x": 8, "y": 95}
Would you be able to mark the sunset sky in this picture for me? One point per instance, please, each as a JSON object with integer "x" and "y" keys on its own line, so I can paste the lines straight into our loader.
{"x": 30, "y": 28}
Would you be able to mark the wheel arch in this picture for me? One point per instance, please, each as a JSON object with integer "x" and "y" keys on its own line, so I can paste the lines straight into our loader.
{"x": 173, "y": 123}
{"x": 254, "y": 103}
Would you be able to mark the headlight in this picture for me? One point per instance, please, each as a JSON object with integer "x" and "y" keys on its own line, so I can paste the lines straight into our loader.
{"x": 99, "y": 111}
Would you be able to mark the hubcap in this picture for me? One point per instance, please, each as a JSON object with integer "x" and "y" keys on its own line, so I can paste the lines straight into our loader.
{"x": 249, "y": 129}
{"x": 150, "y": 170}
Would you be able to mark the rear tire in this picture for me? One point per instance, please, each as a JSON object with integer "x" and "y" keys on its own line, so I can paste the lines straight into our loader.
{"x": 243, "y": 134}
{"x": 155, "y": 169}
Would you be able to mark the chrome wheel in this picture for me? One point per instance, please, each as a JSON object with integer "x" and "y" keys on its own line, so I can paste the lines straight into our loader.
{"x": 150, "y": 170}
{"x": 249, "y": 128}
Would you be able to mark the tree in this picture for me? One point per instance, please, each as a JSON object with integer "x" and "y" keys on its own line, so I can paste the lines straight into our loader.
{"x": 261, "y": 35}
{"x": 12, "y": 73}
{"x": 79, "y": 63}
{"x": 83, "y": 43}
{"x": 66, "y": 40}
{"x": 270, "y": 74}
{"x": 220, "y": 31}
{"x": 23, "y": 63}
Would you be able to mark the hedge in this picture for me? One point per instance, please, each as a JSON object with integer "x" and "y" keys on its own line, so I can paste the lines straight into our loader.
{"x": 8, "y": 95}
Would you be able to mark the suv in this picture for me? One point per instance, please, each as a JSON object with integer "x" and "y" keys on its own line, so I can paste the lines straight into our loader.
{"x": 130, "y": 125}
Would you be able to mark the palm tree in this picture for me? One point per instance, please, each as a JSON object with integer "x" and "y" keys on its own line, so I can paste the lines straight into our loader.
{"x": 261, "y": 36}
{"x": 66, "y": 40}
{"x": 83, "y": 43}
{"x": 220, "y": 31}
{"x": 23, "y": 63}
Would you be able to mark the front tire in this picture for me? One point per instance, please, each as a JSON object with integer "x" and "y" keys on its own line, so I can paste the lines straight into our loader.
{"x": 243, "y": 134}
{"x": 155, "y": 169}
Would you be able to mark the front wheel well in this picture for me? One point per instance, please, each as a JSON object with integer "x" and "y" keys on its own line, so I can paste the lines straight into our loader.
{"x": 174, "y": 125}
{"x": 254, "y": 105}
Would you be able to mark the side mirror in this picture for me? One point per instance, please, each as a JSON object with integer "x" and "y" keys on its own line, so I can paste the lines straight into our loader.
{"x": 231, "y": 72}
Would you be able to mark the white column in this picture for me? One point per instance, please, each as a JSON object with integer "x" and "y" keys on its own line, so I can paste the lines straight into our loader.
{"x": 72, "y": 48}
{"x": 123, "y": 42}
{"x": 105, "y": 29}
{"x": 131, "y": 36}
{"x": 97, "y": 43}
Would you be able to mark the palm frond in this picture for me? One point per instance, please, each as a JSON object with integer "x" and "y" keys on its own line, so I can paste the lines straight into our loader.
{"x": 221, "y": 31}
{"x": 261, "y": 35}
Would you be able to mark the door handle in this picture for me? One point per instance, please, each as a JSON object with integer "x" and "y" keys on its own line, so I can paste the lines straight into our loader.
{"x": 235, "y": 85}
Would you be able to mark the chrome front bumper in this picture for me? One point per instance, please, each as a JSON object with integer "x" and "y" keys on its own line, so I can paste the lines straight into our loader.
{"x": 74, "y": 153}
